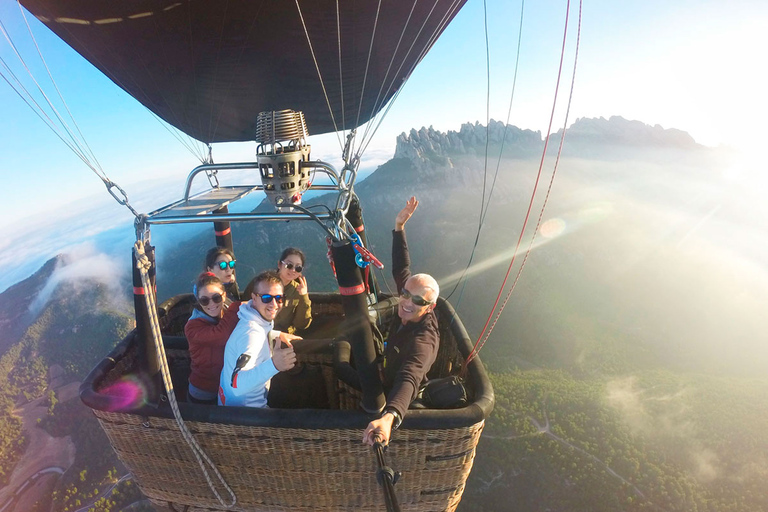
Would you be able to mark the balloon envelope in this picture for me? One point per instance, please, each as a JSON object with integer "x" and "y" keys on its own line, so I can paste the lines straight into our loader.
{"x": 209, "y": 67}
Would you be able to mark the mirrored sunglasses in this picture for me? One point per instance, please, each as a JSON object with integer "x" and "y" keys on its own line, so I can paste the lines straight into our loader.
{"x": 224, "y": 264}
{"x": 291, "y": 266}
{"x": 216, "y": 298}
{"x": 267, "y": 298}
{"x": 416, "y": 299}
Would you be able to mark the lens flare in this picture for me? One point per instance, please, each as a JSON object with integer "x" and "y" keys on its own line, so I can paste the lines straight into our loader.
{"x": 552, "y": 228}
{"x": 127, "y": 393}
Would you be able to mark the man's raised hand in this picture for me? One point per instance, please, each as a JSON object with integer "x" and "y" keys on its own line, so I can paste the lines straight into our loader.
{"x": 405, "y": 213}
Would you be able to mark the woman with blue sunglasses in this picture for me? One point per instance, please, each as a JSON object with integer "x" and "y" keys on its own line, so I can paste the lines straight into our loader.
{"x": 296, "y": 314}
{"x": 207, "y": 332}
{"x": 220, "y": 261}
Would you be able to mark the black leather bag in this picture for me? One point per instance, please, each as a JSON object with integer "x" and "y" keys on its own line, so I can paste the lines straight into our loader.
{"x": 443, "y": 393}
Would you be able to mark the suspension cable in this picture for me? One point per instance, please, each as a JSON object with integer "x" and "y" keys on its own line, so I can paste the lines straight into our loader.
{"x": 374, "y": 108}
{"x": 50, "y": 76}
{"x": 319, "y": 74}
{"x": 485, "y": 335}
{"x": 341, "y": 71}
{"x": 368, "y": 65}
{"x": 73, "y": 142}
{"x": 381, "y": 115}
{"x": 498, "y": 166}
{"x": 143, "y": 264}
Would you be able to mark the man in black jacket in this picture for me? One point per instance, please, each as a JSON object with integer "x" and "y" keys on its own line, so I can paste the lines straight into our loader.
{"x": 413, "y": 339}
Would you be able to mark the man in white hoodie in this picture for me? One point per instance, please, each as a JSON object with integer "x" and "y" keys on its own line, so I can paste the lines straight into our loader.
{"x": 254, "y": 352}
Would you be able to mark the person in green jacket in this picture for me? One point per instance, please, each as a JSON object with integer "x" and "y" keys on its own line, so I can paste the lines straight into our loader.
{"x": 296, "y": 314}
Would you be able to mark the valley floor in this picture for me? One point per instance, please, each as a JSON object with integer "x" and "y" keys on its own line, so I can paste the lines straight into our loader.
{"x": 45, "y": 458}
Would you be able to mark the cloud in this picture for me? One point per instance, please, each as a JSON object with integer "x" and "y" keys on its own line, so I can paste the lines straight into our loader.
{"x": 81, "y": 269}
{"x": 663, "y": 419}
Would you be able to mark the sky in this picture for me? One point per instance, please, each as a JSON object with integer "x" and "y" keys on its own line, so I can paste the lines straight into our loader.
{"x": 692, "y": 65}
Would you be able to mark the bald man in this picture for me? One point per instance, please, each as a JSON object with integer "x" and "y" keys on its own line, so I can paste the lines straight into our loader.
{"x": 413, "y": 339}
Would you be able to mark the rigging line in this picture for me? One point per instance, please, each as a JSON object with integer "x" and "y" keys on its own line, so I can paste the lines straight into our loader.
{"x": 319, "y": 75}
{"x": 196, "y": 151}
{"x": 374, "y": 108}
{"x": 498, "y": 162}
{"x": 61, "y": 97}
{"x": 239, "y": 59}
{"x": 535, "y": 187}
{"x": 379, "y": 118}
{"x": 193, "y": 145}
{"x": 487, "y": 116}
{"x": 430, "y": 41}
{"x": 341, "y": 72}
{"x": 72, "y": 143}
{"x": 384, "y": 279}
{"x": 483, "y": 208}
{"x": 368, "y": 64}
{"x": 509, "y": 110}
{"x": 40, "y": 113}
{"x": 118, "y": 60}
{"x": 549, "y": 189}
{"x": 64, "y": 126}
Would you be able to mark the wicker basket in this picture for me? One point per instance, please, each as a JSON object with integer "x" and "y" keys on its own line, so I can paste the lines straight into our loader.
{"x": 291, "y": 460}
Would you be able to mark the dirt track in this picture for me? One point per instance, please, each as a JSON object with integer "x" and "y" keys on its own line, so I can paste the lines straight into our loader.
{"x": 43, "y": 450}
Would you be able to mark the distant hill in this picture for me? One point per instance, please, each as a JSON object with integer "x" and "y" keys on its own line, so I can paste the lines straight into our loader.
{"x": 73, "y": 328}
{"x": 16, "y": 300}
{"x": 617, "y": 131}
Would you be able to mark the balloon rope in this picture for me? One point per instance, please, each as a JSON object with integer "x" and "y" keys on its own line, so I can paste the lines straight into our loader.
{"x": 319, "y": 75}
{"x": 143, "y": 264}
{"x": 483, "y": 335}
{"x": 45, "y": 64}
{"x": 377, "y": 104}
{"x": 379, "y": 118}
{"x": 461, "y": 279}
{"x": 341, "y": 73}
{"x": 368, "y": 63}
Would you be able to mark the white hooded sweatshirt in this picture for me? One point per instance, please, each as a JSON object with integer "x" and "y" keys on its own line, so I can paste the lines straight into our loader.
{"x": 251, "y": 342}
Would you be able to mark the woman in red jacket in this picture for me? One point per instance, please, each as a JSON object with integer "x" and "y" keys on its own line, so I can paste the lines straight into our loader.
{"x": 207, "y": 332}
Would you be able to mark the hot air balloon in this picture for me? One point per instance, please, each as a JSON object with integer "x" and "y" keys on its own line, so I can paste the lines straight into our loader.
{"x": 271, "y": 72}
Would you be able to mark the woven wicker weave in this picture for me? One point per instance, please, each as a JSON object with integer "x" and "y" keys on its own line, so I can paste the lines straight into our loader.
{"x": 279, "y": 467}
{"x": 292, "y": 469}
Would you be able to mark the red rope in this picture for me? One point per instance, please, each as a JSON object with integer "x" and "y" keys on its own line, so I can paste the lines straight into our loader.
{"x": 478, "y": 345}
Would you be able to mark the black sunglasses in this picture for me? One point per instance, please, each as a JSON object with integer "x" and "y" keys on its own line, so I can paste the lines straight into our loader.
{"x": 216, "y": 298}
{"x": 291, "y": 266}
{"x": 416, "y": 299}
{"x": 224, "y": 264}
{"x": 267, "y": 298}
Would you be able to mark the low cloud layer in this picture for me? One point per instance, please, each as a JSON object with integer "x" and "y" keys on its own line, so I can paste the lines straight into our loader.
{"x": 664, "y": 419}
{"x": 81, "y": 269}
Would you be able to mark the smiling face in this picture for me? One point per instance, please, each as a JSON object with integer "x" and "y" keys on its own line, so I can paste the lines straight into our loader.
{"x": 206, "y": 294}
{"x": 226, "y": 275}
{"x": 406, "y": 309}
{"x": 267, "y": 311}
{"x": 289, "y": 274}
